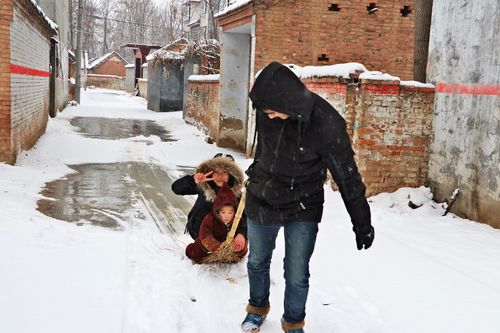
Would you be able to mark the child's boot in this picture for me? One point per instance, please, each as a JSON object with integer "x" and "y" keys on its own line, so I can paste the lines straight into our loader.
{"x": 254, "y": 319}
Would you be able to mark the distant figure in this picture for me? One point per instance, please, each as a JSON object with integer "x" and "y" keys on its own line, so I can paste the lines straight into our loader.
{"x": 215, "y": 227}
{"x": 300, "y": 136}
{"x": 206, "y": 182}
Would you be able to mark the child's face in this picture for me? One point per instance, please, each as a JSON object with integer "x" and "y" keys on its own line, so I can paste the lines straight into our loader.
{"x": 220, "y": 177}
{"x": 226, "y": 214}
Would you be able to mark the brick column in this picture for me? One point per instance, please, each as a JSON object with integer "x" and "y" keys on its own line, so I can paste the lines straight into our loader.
{"x": 6, "y": 154}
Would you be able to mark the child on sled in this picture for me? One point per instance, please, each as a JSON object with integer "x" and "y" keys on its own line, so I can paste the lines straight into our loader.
{"x": 215, "y": 227}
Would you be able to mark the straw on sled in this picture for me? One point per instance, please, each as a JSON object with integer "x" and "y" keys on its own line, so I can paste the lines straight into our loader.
{"x": 225, "y": 254}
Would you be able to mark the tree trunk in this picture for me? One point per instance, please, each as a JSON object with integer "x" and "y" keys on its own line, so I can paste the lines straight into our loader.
{"x": 423, "y": 15}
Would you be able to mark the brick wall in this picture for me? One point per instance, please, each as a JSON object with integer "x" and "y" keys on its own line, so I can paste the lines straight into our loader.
{"x": 391, "y": 134}
{"x": 382, "y": 41}
{"x": 340, "y": 93}
{"x": 29, "y": 49}
{"x": 112, "y": 66}
{"x": 390, "y": 126}
{"x": 6, "y": 154}
{"x": 106, "y": 81}
{"x": 202, "y": 106}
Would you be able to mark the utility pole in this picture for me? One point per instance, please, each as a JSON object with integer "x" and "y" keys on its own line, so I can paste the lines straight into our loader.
{"x": 81, "y": 5}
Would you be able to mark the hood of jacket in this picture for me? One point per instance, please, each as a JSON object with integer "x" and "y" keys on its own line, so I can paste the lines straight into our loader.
{"x": 279, "y": 89}
{"x": 236, "y": 177}
{"x": 225, "y": 196}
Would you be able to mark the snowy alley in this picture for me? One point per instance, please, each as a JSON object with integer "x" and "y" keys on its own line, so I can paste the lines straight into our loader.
{"x": 92, "y": 240}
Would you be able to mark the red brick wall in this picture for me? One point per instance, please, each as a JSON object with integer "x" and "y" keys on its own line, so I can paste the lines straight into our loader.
{"x": 392, "y": 133}
{"x": 390, "y": 125}
{"x": 25, "y": 77}
{"x": 202, "y": 106}
{"x": 6, "y": 154}
{"x": 113, "y": 66}
{"x": 382, "y": 41}
{"x": 106, "y": 81}
{"x": 29, "y": 79}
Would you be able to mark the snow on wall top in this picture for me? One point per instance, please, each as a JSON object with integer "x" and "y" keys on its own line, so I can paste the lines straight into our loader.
{"x": 338, "y": 70}
{"x": 210, "y": 77}
{"x": 417, "y": 84}
{"x": 232, "y": 7}
{"x": 51, "y": 23}
{"x": 343, "y": 70}
{"x": 376, "y": 75}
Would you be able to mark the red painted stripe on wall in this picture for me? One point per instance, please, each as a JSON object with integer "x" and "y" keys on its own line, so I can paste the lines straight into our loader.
{"x": 327, "y": 87}
{"x": 376, "y": 89}
{"x": 468, "y": 89}
{"x": 16, "y": 69}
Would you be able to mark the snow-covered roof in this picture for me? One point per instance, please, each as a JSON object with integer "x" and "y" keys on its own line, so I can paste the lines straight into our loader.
{"x": 232, "y": 7}
{"x": 103, "y": 58}
{"x": 165, "y": 53}
{"x": 51, "y": 23}
{"x": 130, "y": 66}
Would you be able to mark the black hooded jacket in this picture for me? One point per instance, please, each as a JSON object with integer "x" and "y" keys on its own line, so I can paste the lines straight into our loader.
{"x": 292, "y": 155}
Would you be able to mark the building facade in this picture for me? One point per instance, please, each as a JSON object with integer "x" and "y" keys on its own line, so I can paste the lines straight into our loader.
{"x": 464, "y": 55}
{"x": 28, "y": 38}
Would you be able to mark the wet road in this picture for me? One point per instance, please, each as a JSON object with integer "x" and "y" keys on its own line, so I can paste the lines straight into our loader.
{"x": 112, "y": 194}
{"x": 112, "y": 129}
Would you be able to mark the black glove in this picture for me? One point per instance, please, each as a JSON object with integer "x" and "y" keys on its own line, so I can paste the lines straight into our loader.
{"x": 364, "y": 237}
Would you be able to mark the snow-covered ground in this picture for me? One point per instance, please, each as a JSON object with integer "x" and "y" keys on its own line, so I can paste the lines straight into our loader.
{"x": 424, "y": 273}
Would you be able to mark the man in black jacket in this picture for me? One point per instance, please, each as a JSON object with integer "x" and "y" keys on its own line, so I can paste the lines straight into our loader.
{"x": 300, "y": 136}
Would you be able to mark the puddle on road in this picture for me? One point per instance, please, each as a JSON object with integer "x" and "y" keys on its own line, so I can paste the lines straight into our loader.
{"x": 105, "y": 195}
{"x": 118, "y": 128}
{"x": 94, "y": 193}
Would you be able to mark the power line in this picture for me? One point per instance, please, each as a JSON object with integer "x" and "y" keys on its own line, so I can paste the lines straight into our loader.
{"x": 128, "y": 22}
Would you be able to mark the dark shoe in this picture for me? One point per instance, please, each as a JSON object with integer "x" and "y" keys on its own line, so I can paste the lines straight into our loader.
{"x": 252, "y": 322}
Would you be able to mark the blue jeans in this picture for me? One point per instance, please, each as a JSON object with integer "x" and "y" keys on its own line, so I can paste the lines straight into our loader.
{"x": 300, "y": 238}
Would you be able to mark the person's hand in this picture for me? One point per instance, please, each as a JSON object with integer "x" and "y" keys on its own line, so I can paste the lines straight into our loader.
{"x": 364, "y": 237}
{"x": 202, "y": 177}
{"x": 239, "y": 243}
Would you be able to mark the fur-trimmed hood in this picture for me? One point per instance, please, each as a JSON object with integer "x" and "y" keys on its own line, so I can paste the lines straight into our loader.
{"x": 236, "y": 177}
